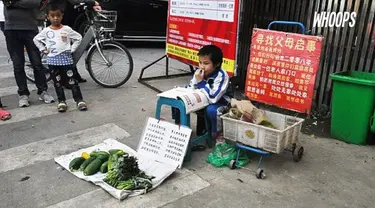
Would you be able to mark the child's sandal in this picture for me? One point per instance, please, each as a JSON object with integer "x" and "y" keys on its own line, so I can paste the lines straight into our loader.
{"x": 5, "y": 115}
{"x": 82, "y": 106}
{"x": 62, "y": 107}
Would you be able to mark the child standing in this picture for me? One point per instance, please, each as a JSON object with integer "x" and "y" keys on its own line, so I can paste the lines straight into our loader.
{"x": 59, "y": 42}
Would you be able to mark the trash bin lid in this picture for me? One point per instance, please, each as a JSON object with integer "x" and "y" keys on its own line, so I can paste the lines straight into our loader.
{"x": 355, "y": 77}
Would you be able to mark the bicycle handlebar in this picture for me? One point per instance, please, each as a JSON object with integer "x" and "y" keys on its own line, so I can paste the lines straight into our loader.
{"x": 98, "y": 13}
{"x": 85, "y": 6}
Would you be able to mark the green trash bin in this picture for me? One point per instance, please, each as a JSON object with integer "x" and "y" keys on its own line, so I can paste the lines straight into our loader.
{"x": 353, "y": 106}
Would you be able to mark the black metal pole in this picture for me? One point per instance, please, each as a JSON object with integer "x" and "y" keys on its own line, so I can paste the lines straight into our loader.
{"x": 166, "y": 66}
{"x": 143, "y": 80}
{"x": 144, "y": 68}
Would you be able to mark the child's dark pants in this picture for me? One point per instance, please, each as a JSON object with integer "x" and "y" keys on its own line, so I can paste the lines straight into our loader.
{"x": 60, "y": 73}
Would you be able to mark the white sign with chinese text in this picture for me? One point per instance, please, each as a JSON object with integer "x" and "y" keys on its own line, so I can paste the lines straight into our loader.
{"x": 164, "y": 142}
{"x": 210, "y": 10}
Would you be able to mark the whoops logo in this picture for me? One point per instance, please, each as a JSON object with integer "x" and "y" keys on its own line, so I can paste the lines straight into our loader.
{"x": 250, "y": 134}
{"x": 334, "y": 19}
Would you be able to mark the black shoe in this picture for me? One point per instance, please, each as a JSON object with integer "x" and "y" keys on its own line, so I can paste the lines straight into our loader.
{"x": 81, "y": 80}
{"x": 198, "y": 148}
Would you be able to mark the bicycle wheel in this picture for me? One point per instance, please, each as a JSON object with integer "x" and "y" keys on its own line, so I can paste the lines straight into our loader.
{"x": 30, "y": 71}
{"x": 105, "y": 74}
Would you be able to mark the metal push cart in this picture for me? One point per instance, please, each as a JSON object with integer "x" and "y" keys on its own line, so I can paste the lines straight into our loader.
{"x": 263, "y": 140}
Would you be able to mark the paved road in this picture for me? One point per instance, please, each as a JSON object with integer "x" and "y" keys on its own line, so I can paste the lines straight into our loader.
{"x": 332, "y": 174}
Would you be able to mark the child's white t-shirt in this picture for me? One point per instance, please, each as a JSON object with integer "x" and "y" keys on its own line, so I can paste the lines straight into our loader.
{"x": 2, "y": 18}
{"x": 60, "y": 43}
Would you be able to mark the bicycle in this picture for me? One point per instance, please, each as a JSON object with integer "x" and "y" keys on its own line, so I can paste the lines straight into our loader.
{"x": 99, "y": 41}
{"x": 28, "y": 66}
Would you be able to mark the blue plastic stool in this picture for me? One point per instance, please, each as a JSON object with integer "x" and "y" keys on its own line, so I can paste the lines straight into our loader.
{"x": 179, "y": 104}
{"x": 184, "y": 120}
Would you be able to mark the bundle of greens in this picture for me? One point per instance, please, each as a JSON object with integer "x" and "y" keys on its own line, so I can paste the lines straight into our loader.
{"x": 124, "y": 174}
{"x": 135, "y": 183}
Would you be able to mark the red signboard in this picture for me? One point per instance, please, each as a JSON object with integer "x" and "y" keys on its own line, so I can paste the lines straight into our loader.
{"x": 195, "y": 23}
{"x": 282, "y": 69}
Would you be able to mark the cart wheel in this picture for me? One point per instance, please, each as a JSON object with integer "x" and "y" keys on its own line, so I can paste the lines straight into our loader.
{"x": 232, "y": 164}
{"x": 260, "y": 174}
{"x": 298, "y": 153}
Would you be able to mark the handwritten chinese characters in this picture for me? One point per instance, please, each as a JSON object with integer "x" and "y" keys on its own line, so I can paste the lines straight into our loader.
{"x": 175, "y": 146}
{"x": 164, "y": 141}
{"x": 153, "y": 138}
{"x": 282, "y": 69}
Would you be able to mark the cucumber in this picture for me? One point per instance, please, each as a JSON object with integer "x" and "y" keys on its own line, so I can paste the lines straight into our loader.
{"x": 76, "y": 163}
{"x": 103, "y": 157}
{"x": 104, "y": 167}
{"x": 97, "y": 153}
{"x": 86, "y": 163}
{"x": 93, "y": 167}
{"x": 115, "y": 151}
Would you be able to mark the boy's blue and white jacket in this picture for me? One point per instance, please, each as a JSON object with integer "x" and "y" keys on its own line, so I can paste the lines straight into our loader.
{"x": 215, "y": 86}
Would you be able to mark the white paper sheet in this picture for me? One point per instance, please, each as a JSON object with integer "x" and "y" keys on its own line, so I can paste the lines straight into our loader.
{"x": 194, "y": 99}
{"x": 159, "y": 170}
{"x": 164, "y": 142}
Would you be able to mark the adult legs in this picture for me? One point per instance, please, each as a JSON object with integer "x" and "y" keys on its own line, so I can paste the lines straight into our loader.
{"x": 15, "y": 47}
{"x": 36, "y": 62}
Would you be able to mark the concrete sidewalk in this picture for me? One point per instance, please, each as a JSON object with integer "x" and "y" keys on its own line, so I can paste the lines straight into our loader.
{"x": 331, "y": 174}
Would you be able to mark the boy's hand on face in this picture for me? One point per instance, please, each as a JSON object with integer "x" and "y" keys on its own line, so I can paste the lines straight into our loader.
{"x": 199, "y": 75}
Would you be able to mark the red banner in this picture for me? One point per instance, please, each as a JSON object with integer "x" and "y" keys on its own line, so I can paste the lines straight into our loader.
{"x": 195, "y": 23}
{"x": 282, "y": 69}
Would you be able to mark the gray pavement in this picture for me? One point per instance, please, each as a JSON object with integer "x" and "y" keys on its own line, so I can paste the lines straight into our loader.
{"x": 331, "y": 174}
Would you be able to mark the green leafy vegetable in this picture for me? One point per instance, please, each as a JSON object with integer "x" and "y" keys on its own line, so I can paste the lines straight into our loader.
{"x": 125, "y": 185}
{"x": 124, "y": 174}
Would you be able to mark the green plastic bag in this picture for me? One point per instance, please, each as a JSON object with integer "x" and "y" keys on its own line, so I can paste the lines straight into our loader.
{"x": 223, "y": 153}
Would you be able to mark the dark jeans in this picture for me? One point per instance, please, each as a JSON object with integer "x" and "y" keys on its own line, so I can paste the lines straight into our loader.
{"x": 2, "y": 26}
{"x": 16, "y": 40}
{"x": 67, "y": 73}
{"x": 77, "y": 76}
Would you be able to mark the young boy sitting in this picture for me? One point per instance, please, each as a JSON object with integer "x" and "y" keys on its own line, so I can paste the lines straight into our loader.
{"x": 59, "y": 42}
{"x": 213, "y": 81}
